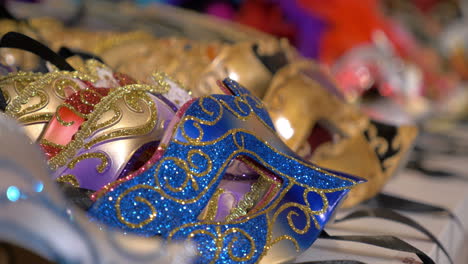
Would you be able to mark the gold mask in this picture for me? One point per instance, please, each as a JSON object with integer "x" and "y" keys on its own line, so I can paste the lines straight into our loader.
{"x": 313, "y": 119}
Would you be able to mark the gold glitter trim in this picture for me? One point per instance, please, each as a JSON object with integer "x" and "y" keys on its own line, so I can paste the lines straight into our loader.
{"x": 88, "y": 127}
{"x": 211, "y": 209}
{"x": 60, "y": 85}
{"x": 31, "y": 90}
{"x": 285, "y": 237}
{"x": 249, "y": 199}
{"x": 93, "y": 155}
{"x": 219, "y": 239}
{"x": 139, "y": 199}
{"x": 70, "y": 179}
{"x": 133, "y": 131}
{"x": 35, "y": 118}
{"x": 112, "y": 121}
{"x": 50, "y": 143}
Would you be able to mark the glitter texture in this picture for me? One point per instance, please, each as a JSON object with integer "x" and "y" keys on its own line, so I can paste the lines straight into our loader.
{"x": 167, "y": 198}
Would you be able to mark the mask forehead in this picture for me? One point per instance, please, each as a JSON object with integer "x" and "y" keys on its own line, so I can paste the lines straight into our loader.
{"x": 168, "y": 198}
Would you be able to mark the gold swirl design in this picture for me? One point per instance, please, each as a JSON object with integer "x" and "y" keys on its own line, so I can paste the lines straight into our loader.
{"x": 237, "y": 102}
{"x": 244, "y": 131}
{"x": 241, "y": 144}
{"x": 293, "y": 226}
{"x": 258, "y": 103}
{"x": 43, "y": 101}
{"x": 87, "y": 128}
{"x": 211, "y": 209}
{"x": 187, "y": 165}
{"x": 60, "y": 85}
{"x": 70, "y": 179}
{"x": 133, "y": 131}
{"x": 35, "y": 118}
{"x": 190, "y": 156}
{"x": 15, "y": 82}
{"x": 93, "y": 155}
{"x": 61, "y": 120}
{"x": 216, "y": 239}
{"x": 197, "y": 121}
{"x": 112, "y": 121}
{"x": 131, "y": 100}
{"x": 139, "y": 199}
{"x": 50, "y": 143}
{"x": 322, "y": 195}
{"x": 36, "y": 87}
{"x": 292, "y": 181}
{"x": 303, "y": 208}
{"x": 219, "y": 237}
{"x": 231, "y": 244}
{"x": 285, "y": 237}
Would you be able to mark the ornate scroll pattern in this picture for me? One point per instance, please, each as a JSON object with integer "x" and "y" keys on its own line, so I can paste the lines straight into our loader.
{"x": 200, "y": 168}
{"x": 233, "y": 242}
{"x": 20, "y": 105}
{"x": 387, "y": 144}
{"x": 70, "y": 108}
{"x": 138, "y": 199}
{"x": 242, "y": 106}
{"x": 168, "y": 198}
{"x": 131, "y": 100}
{"x": 106, "y": 104}
{"x": 13, "y": 83}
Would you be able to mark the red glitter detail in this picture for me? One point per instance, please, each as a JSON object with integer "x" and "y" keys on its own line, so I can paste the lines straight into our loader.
{"x": 49, "y": 151}
{"x": 90, "y": 97}
{"x": 123, "y": 79}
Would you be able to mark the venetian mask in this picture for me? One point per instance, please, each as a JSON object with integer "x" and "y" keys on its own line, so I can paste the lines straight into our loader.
{"x": 37, "y": 217}
{"x": 312, "y": 117}
{"x": 222, "y": 178}
{"x": 198, "y": 65}
{"x": 113, "y": 139}
{"x": 33, "y": 98}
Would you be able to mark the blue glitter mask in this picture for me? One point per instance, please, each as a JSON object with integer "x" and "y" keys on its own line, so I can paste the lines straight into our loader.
{"x": 195, "y": 187}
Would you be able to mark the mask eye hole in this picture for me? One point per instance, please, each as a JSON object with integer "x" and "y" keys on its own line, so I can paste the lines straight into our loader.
{"x": 321, "y": 133}
{"x": 139, "y": 158}
{"x": 371, "y": 94}
{"x": 246, "y": 188}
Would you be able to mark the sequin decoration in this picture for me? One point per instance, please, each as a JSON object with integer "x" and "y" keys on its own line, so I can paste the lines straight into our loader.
{"x": 168, "y": 198}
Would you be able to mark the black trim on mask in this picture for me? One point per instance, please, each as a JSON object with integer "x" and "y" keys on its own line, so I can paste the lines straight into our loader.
{"x": 272, "y": 62}
{"x": 20, "y": 41}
